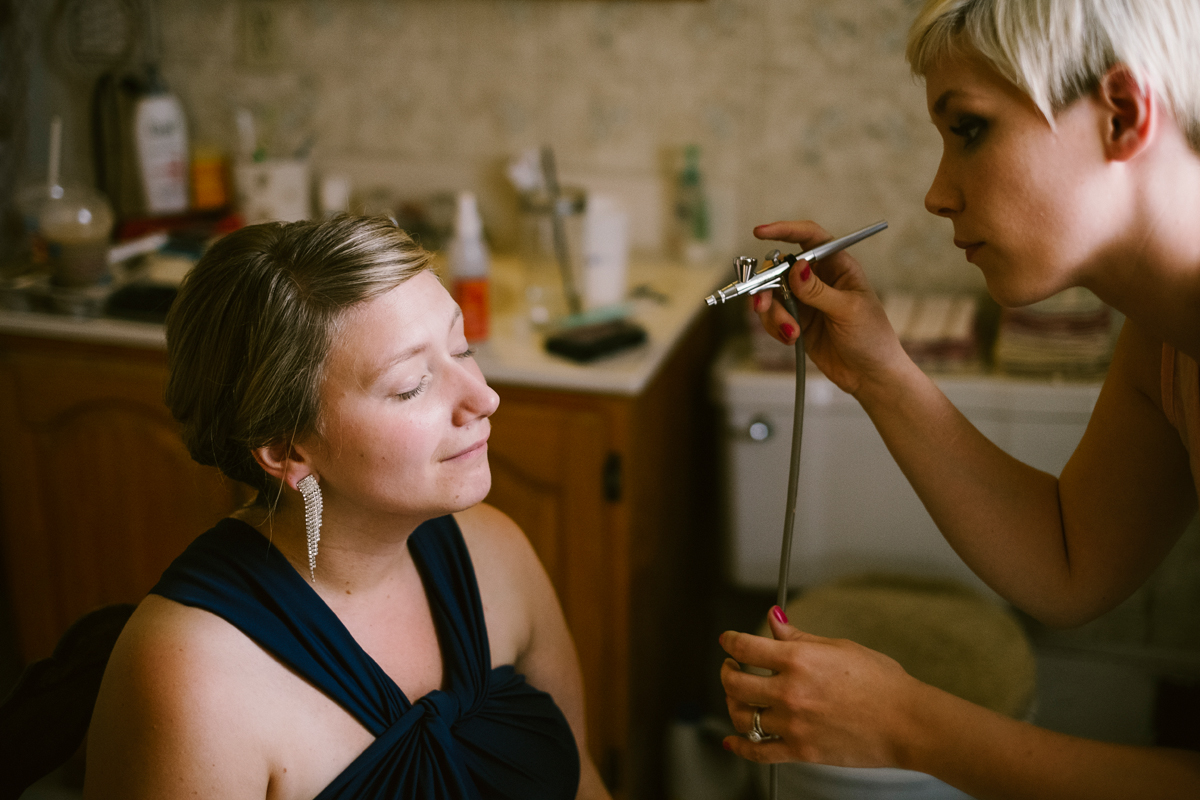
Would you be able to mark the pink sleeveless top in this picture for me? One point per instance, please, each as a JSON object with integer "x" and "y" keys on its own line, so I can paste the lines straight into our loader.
{"x": 1181, "y": 402}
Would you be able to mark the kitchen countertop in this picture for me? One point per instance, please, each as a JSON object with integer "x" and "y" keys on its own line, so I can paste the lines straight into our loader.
{"x": 672, "y": 296}
{"x": 514, "y": 354}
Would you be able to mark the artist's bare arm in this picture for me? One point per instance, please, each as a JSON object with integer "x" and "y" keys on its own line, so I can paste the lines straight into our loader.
{"x": 837, "y": 702}
{"x": 544, "y": 650}
{"x": 992, "y": 757}
{"x": 1064, "y": 550}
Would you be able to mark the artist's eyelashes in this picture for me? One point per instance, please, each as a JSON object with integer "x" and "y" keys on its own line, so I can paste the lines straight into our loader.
{"x": 970, "y": 129}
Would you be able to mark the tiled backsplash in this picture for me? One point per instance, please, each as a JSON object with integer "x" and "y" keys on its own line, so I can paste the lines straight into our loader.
{"x": 802, "y": 108}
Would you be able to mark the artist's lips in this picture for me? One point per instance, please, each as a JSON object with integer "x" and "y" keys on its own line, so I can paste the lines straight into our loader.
{"x": 479, "y": 447}
{"x": 971, "y": 248}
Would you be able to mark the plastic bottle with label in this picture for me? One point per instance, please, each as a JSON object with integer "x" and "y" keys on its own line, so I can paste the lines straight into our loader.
{"x": 160, "y": 131}
{"x": 469, "y": 265}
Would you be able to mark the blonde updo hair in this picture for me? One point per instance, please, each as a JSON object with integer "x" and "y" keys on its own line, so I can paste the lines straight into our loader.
{"x": 1056, "y": 51}
{"x": 249, "y": 332}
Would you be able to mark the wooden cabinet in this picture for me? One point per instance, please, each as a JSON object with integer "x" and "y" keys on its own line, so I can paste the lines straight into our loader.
{"x": 98, "y": 492}
{"x": 617, "y": 494}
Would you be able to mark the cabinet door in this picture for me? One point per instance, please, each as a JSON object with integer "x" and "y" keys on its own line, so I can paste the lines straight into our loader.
{"x": 548, "y": 461}
{"x": 99, "y": 493}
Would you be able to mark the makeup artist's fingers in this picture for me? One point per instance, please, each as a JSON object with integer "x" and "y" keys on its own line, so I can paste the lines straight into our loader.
{"x": 805, "y": 233}
{"x": 742, "y": 717}
{"x": 759, "y": 651}
{"x": 775, "y": 318}
{"x": 744, "y": 688}
{"x": 812, "y": 291}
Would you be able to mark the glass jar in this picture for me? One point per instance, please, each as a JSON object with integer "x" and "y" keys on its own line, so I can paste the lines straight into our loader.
{"x": 545, "y": 292}
{"x": 77, "y": 228}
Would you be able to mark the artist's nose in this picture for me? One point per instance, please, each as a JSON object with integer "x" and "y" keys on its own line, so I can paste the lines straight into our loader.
{"x": 944, "y": 197}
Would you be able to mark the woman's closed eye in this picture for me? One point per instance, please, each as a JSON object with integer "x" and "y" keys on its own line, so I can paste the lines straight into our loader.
{"x": 411, "y": 393}
{"x": 970, "y": 129}
{"x": 465, "y": 353}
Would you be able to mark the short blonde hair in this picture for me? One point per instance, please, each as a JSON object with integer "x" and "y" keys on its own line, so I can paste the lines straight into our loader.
{"x": 249, "y": 333}
{"x": 1056, "y": 51}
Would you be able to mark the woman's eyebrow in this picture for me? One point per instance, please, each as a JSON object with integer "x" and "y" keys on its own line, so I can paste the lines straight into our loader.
{"x": 405, "y": 354}
{"x": 385, "y": 365}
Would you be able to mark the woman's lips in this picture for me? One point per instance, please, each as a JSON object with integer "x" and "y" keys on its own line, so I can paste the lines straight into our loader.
{"x": 971, "y": 248}
{"x": 474, "y": 449}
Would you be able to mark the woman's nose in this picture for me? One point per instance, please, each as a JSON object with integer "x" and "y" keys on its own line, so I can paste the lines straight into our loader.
{"x": 477, "y": 398}
{"x": 943, "y": 199}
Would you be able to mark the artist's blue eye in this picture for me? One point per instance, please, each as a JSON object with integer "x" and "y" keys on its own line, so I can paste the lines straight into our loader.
{"x": 970, "y": 129}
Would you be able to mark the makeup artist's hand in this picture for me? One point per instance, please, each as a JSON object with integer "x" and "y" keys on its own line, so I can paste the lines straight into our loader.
{"x": 832, "y": 701}
{"x": 846, "y": 332}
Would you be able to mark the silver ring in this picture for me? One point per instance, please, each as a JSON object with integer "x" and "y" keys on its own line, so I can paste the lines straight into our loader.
{"x": 756, "y": 733}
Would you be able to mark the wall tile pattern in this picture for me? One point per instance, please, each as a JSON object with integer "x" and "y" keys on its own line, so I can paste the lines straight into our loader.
{"x": 803, "y": 108}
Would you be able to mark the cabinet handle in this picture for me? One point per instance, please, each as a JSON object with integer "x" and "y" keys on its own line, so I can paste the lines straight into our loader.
{"x": 759, "y": 430}
{"x": 612, "y": 478}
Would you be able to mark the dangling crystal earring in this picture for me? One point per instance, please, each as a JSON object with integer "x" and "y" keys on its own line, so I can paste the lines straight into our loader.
{"x": 312, "y": 519}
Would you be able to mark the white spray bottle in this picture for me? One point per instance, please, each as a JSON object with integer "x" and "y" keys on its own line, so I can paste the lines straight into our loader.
{"x": 469, "y": 265}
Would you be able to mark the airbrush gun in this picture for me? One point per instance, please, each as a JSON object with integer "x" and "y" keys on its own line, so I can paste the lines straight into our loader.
{"x": 774, "y": 275}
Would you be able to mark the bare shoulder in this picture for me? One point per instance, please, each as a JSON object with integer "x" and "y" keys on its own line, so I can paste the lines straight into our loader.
{"x": 514, "y": 587}
{"x": 172, "y": 703}
{"x": 1137, "y": 363}
{"x": 177, "y": 655}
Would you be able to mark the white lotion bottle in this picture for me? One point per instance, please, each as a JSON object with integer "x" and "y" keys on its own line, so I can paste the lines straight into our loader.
{"x": 160, "y": 131}
{"x": 469, "y": 265}
{"x": 605, "y": 252}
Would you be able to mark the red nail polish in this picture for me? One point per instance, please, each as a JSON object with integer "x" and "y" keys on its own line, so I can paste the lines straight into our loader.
{"x": 726, "y": 745}
{"x": 787, "y": 330}
{"x": 779, "y": 615}
{"x": 805, "y": 273}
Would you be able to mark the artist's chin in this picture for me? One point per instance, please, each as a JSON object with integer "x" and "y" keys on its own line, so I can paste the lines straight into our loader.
{"x": 1011, "y": 291}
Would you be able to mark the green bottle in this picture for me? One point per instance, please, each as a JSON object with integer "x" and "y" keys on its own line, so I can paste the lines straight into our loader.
{"x": 691, "y": 207}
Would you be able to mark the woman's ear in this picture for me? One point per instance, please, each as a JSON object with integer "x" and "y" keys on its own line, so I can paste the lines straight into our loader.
{"x": 1130, "y": 113}
{"x": 283, "y": 462}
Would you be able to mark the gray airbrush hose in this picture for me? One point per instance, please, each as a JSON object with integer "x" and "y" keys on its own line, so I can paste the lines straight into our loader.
{"x": 789, "y": 518}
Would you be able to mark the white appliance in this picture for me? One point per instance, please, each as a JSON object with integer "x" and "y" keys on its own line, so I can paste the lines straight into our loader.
{"x": 855, "y": 510}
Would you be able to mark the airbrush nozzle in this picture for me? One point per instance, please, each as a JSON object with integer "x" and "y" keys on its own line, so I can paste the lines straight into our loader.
{"x": 770, "y": 277}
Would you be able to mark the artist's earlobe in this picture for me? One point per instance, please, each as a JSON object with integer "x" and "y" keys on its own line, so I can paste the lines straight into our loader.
{"x": 1129, "y": 112}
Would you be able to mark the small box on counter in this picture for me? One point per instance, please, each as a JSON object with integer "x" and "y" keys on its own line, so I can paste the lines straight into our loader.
{"x": 588, "y": 342}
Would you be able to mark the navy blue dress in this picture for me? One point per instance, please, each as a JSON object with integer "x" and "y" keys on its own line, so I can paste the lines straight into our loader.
{"x": 487, "y": 734}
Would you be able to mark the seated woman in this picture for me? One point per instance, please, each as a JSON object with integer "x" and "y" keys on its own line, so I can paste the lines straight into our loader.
{"x": 366, "y": 627}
